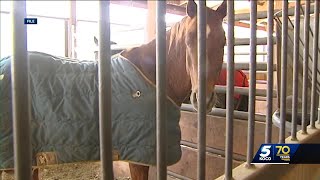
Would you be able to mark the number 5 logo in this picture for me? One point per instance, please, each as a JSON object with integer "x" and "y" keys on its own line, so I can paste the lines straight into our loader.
{"x": 265, "y": 151}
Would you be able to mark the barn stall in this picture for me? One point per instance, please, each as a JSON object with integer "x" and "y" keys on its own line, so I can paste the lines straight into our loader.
{"x": 264, "y": 116}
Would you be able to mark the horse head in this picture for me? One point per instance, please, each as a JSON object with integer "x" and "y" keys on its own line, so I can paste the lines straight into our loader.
{"x": 215, "y": 49}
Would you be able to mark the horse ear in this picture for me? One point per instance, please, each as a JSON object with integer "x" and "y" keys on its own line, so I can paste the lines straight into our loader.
{"x": 96, "y": 40}
{"x": 222, "y": 9}
{"x": 191, "y": 8}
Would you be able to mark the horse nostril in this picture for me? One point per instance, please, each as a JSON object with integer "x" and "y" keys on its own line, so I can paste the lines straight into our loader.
{"x": 195, "y": 98}
{"x": 194, "y": 101}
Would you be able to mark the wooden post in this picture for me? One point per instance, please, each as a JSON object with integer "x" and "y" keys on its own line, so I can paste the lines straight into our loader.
{"x": 151, "y": 21}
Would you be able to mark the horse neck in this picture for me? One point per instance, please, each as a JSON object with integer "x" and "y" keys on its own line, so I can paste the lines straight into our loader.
{"x": 178, "y": 80}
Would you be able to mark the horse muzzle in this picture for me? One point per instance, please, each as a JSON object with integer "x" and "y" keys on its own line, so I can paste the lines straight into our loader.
{"x": 210, "y": 101}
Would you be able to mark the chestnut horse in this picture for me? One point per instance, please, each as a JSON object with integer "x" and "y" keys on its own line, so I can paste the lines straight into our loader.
{"x": 182, "y": 62}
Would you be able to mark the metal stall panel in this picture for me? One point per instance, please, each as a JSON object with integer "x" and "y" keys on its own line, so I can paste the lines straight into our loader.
{"x": 305, "y": 67}
{"x": 230, "y": 91}
{"x": 295, "y": 70}
{"x": 283, "y": 85}
{"x": 161, "y": 90}
{"x": 252, "y": 73}
{"x": 21, "y": 94}
{"x": 268, "y": 132}
{"x": 314, "y": 93}
{"x": 201, "y": 26}
{"x": 104, "y": 76}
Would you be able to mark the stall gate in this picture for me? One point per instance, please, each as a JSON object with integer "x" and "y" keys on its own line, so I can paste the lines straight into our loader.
{"x": 307, "y": 134}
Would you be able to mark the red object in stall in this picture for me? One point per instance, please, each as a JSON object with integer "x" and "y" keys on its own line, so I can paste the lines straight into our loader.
{"x": 240, "y": 80}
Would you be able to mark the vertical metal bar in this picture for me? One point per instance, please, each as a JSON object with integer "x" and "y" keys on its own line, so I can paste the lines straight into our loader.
{"x": 202, "y": 57}
{"x": 270, "y": 73}
{"x": 305, "y": 67}
{"x": 0, "y": 34}
{"x": 66, "y": 38}
{"x": 282, "y": 134}
{"x": 252, "y": 87}
{"x": 314, "y": 65}
{"x": 161, "y": 90}
{"x": 230, "y": 91}
{"x": 73, "y": 26}
{"x": 20, "y": 94}
{"x": 104, "y": 76}
{"x": 278, "y": 55}
{"x": 295, "y": 70}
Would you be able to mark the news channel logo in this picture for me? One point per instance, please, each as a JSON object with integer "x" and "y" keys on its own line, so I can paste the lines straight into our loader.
{"x": 30, "y": 21}
{"x": 275, "y": 154}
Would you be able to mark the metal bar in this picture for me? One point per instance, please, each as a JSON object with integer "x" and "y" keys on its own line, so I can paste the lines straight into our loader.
{"x": 264, "y": 14}
{"x": 244, "y": 91}
{"x": 314, "y": 93}
{"x": 305, "y": 67}
{"x": 104, "y": 76}
{"x": 247, "y": 53}
{"x": 230, "y": 92}
{"x": 238, "y": 42}
{"x": 246, "y": 41}
{"x": 245, "y": 66}
{"x": 268, "y": 131}
{"x": 161, "y": 90}
{"x": 252, "y": 88}
{"x": 291, "y": 26}
{"x": 66, "y": 38}
{"x": 278, "y": 60}
{"x": 0, "y": 36}
{"x": 283, "y": 95}
{"x": 21, "y": 106}
{"x": 222, "y": 112}
{"x": 319, "y": 111}
{"x": 73, "y": 26}
{"x": 202, "y": 57}
{"x": 295, "y": 70}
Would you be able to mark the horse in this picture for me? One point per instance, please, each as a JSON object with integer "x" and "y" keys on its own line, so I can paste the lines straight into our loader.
{"x": 182, "y": 64}
{"x": 64, "y": 95}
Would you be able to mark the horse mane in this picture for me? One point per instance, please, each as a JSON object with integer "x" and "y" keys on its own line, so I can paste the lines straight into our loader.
{"x": 176, "y": 36}
{"x": 144, "y": 58}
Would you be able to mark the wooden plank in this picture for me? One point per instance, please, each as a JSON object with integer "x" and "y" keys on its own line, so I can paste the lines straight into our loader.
{"x": 151, "y": 21}
{"x": 216, "y": 127}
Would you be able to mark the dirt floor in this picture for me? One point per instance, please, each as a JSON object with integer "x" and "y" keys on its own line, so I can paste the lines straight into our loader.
{"x": 77, "y": 171}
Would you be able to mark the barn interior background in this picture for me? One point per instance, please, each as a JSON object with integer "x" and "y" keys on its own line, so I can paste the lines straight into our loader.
{"x": 67, "y": 28}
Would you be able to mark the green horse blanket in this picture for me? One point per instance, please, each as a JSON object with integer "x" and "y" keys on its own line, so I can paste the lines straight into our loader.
{"x": 64, "y": 103}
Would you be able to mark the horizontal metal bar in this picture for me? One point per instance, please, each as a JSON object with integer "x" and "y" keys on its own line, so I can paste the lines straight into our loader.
{"x": 246, "y": 41}
{"x": 211, "y": 150}
{"x": 222, "y": 113}
{"x": 243, "y": 91}
{"x": 247, "y": 53}
{"x": 263, "y": 14}
{"x": 238, "y": 42}
{"x": 245, "y": 66}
